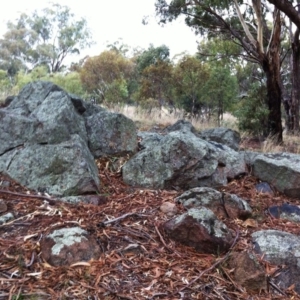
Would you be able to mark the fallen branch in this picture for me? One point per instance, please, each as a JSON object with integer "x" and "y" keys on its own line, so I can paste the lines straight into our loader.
{"x": 274, "y": 286}
{"x": 211, "y": 267}
{"x": 164, "y": 243}
{"x": 50, "y": 200}
{"x": 31, "y": 260}
{"x": 121, "y": 218}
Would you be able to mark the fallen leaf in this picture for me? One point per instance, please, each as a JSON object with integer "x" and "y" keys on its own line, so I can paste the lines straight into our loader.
{"x": 250, "y": 223}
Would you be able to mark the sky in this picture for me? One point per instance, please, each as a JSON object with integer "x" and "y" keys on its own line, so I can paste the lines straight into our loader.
{"x": 112, "y": 20}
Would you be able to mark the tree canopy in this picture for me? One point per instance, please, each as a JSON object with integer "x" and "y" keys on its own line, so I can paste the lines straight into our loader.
{"x": 245, "y": 25}
{"x": 44, "y": 37}
{"x": 106, "y": 76}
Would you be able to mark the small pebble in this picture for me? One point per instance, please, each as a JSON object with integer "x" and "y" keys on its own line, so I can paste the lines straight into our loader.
{"x": 3, "y": 206}
{"x": 169, "y": 209}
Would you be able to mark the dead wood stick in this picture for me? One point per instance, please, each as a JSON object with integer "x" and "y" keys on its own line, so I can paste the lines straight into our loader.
{"x": 211, "y": 267}
{"x": 50, "y": 200}
{"x": 275, "y": 286}
{"x": 123, "y": 217}
{"x": 126, "y": 197}
{"x": 164, "y": 243}
{"x": 31, "y": 260}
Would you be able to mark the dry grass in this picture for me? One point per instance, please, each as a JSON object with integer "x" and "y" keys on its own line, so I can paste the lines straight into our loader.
{"x": 291, "y": 143}
{"x": 146, "y": 120}
{"x": 162, "y": 118}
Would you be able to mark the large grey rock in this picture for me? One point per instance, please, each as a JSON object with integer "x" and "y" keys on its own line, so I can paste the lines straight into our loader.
{"x": 41, "y": 113}
{"x": 45, "y": 135}
{"x": 91, "y": 109}
{"x": 182, "y": 159}
{"x": 223, "y": 204}
{"x": 181, "y": 125}
{"x": 15, "y": 130}
{"x": 111, "y": 134}
{"x": 281, "y": 170}
{"x": 285, "y": 211}
{"x": 148, "y": 139}
{"x": 222, "y": 135}
{"x": 61, "y": 169}
{"x": 249, "y": 157}
{"x": 278, "y": 247}
{"x": 57, "y": 120}
{"x": 199, "y": 228}
{"x": 31, "y": 96}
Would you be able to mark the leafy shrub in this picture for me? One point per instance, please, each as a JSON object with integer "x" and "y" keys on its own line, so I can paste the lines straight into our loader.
{"x": 252, "y": 111}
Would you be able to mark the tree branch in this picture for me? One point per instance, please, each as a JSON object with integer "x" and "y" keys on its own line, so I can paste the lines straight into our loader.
{"x": 257, "y": 9}
{"x": 287, "y": 7}
{"x": 245, "y": 27}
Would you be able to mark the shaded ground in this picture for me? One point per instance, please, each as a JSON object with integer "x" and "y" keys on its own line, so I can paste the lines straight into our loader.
{"x": 139, "y": 261}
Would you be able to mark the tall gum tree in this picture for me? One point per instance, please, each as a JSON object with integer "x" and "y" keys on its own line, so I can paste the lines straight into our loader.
{"x": 292, "y": 10}
{"x": 45, "y": 37}
{"x": 245, "y": 23}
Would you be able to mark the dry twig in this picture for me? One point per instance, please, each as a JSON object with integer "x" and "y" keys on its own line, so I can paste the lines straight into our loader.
{"x": 51, "y": 201}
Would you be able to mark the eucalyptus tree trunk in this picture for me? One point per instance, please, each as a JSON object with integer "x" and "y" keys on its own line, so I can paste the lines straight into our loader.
{"x": 271, "y": 66}
{"x": 293, "y": 13}
{"x": 295, "y": 95}
{"x": 295, "y": 87}
{"x": 274, "y": 92}
{"x": 269, "y": 59}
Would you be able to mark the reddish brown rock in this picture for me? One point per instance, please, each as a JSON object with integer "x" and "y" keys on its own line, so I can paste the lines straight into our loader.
{"x": 247, "y": 271}
{"x": 199, "y": 228}
{"x": 66, "y": 246}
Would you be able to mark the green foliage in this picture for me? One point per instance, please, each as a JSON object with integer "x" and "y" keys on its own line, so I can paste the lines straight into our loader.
{"x": 5, "y": 86}
{"x": 247, "y": 27}
{"x": 117, "y": 92}
{"x": 119, "y": 47}
{"x": 106, "y": 76}
{"x": 220, "y": 91}
{"x": 70, "y": 82}
{"x": 153, "y": 76}
{"x": 190, "y": 76}
{"x": 156, "y": 83}
{"x": 22, "y": 78}
{"x": 152, "y": 56}
{"x": 219, "y": 51}
{"x": 203, "y": 89}
{"x": 44, "y": 37}
{"x": 252, "y": 111}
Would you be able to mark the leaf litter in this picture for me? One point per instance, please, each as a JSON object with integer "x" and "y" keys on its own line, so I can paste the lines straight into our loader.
{"x": 138, "y": 259}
